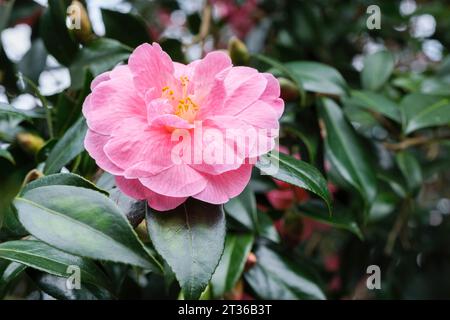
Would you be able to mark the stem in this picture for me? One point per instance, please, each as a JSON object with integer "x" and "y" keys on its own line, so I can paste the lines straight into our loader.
{"x": 48, "y": 114}
{"x": 415, "y": 141}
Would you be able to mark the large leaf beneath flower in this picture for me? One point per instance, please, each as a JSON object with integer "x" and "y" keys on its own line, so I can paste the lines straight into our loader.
{"x": 97, "y": 57}
{"x": 299, "y": 173}
{"x": 66, "y": 149}
{"x": 317, "y": 77}
{"x": 191, "y": 240}
{"x": 376, "y": 102}
{"x": 62, "y": 179}
{"x": 275, "y": 276}
{"x": 422, "y": 111}
{"x": 41, "y": 256}
{"x": 82, "y": 222}
{"x": 231, "y": 265}
{"x": 346, "y": 151}
{"x": 377, "y": 69}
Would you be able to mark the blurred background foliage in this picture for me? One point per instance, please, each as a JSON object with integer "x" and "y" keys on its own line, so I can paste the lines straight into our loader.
{"x": 369, "y": 108}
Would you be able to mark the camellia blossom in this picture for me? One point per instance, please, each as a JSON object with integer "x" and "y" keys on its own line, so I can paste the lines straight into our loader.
{"x": 169, "y": 131}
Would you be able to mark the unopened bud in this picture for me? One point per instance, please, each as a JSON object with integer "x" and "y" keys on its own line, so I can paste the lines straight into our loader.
{"x": 29, "y": 142}
{"x": 78, "y": 22}
{"x": 289, "y": 90}
{"x": 238, "y": 52}
{"x": 32, "y": 175}
{"x": 251, "y": 261}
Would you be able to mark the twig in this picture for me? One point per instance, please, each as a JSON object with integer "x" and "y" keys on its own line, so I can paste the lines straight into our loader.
{"x": 415, "y": 141}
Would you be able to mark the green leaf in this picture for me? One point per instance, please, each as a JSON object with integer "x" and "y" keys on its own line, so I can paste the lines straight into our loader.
{"x": 97, "y": 57}
{"x": 296, "y": 172}
{"x": 317, "y": 77}
{"x": 62, "y": 179}
{"x": 38, "y": 255}
{"x": 377, "y": 69}
{"x": 5, "y": 154}
{"x": 67, "y": 148}
{"x": 341, "y": 217}
{"x": 5, "y": 12}
{"x": 33, "y": 62}
{"x": 127, "y": 28}
{"x": 422, "y": 111}
{"x": 8, "y": 110}
{"x": 83, "y": 222}
{"x": 346, "y": 151}
{"x": 191, "y": 240}
{"x": 243, "y": 209}
{"x": 9, "y": 271}
{"x": 375, "y": 102}
{"x": 411, "y": 170}
{"x": 231, "y": 265}
{"x": 57, "y": 288}
{"x": 276, "y": 276}
{"x": 53, "y": 30}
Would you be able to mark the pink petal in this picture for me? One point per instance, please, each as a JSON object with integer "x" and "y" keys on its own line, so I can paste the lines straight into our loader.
{"x": 133, "y": 188}
{"x": 138, "y": 149}
{"x": 260, "y": 115}
{"x": 221, "y": 188}
{"x": 271, "y": 94}
{"x": 177, "y": 181}
{"x": 94, "y": 143}
{"x": 151, "y": 67}
{"x": 244, "y": 86}
{"x": 170, "y": 121}
{"x": 112, "y": 101}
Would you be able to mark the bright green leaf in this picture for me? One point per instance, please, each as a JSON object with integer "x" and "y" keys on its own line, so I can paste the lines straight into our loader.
{"x": 191, "y": 240}
{"x": 377, "y": 70}
{"x": 82, "y": 222}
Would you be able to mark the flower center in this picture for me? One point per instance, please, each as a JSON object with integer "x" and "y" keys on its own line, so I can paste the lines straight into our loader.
{"x": 184, "y": 107}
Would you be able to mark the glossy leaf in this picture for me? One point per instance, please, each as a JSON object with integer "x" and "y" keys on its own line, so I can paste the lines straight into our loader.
{"x": 341, "y": 218}
{"x": 317, "y": 77}
{"x": 296, "y": 172}
{"x": 67, "y": 148}
{"x": 57, "y": 39}
{"x": 346, "y": 151}
{"x": 243, "y": 209}
{"x": 191, "y": 240}
{"x": 422, "y": 111}
{"x": 275, "y": 276}
{"x": 411, "y": 170}
{"x": 33, "y": 62}
{"x": 41, "y": 256}
{"x": 57, "y": 288}
{"x": 377, "y": 69}
{"x": 5, "y": 12}
{"x": 133, "y": 209}
{"x": 376, "y": 102}
{"x": 97, "y": 57}
{"x": 8, "y": 110}
{"x": 9, "y": 271}
{"x": 5, "y": 154}
{"x": 96, "y": 229}
{"x": 232, "y": 262}
{"x": 62, "y": 179}
{"x": 127, "y": 28}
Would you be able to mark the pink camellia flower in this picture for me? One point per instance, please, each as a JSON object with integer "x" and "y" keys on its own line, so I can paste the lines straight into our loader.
{"x": 163, "y": 128}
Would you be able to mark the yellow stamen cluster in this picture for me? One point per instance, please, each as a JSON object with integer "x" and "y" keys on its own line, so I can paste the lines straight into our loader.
{"x": 168, "y": 93}
{"x": 185, "y": 108}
